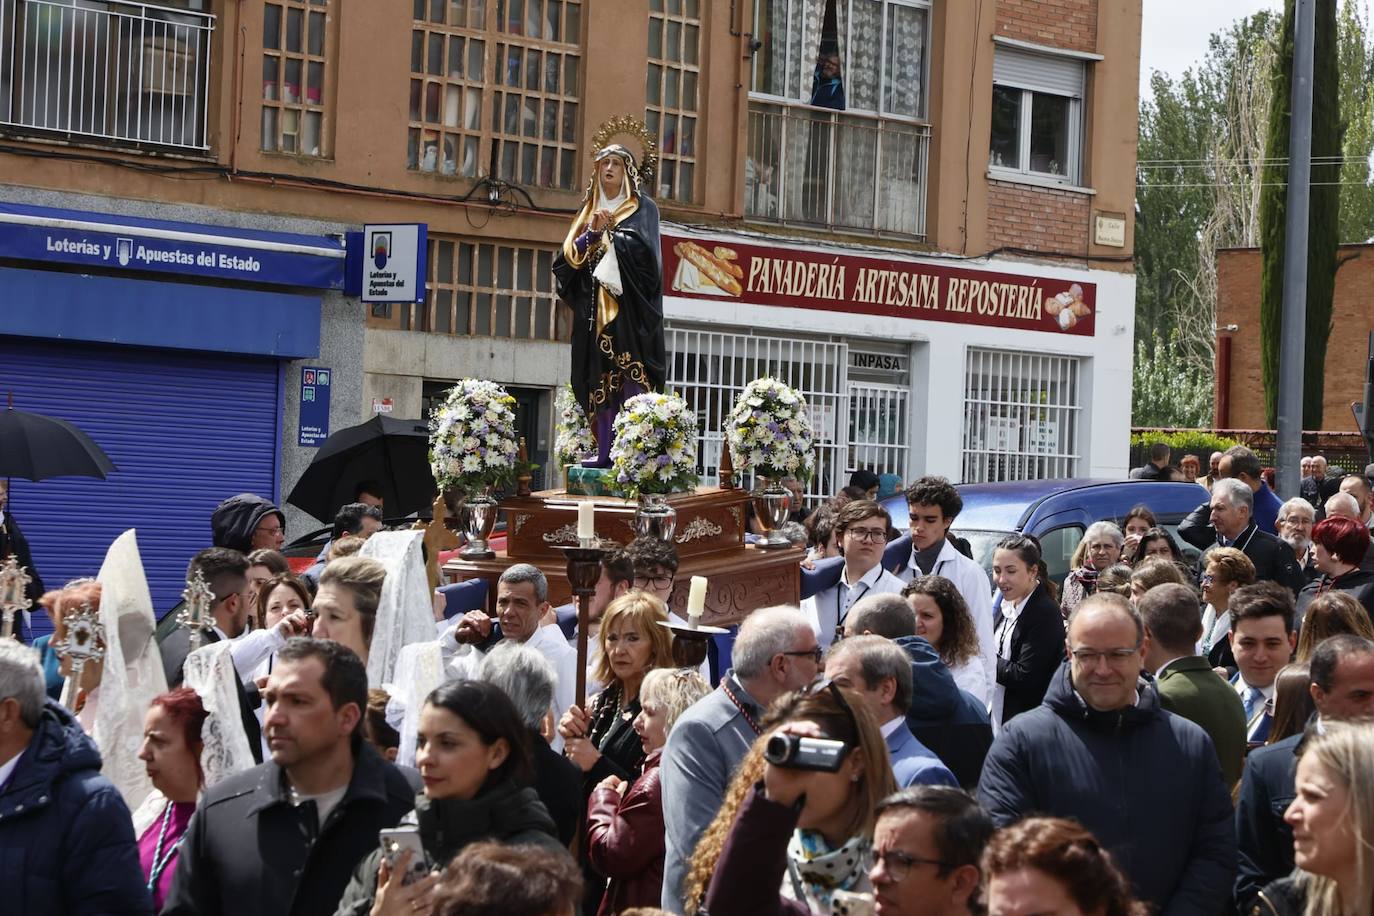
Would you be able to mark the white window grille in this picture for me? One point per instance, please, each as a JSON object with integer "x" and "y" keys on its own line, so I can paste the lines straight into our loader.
{"x": 709, "y": 369}
{"x": 878, "y": 424}
{"x": 116, "y": 72}
{"x": 1021, "y": 415}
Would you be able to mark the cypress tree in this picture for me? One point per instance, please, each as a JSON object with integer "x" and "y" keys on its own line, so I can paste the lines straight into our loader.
{"x": 1323, "y": 215}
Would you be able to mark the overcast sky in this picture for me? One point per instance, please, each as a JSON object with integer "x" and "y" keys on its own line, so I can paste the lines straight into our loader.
{"x": 1174, "y": 33}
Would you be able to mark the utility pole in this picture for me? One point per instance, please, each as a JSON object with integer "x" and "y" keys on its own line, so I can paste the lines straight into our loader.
{"x": 1293, "y": 340}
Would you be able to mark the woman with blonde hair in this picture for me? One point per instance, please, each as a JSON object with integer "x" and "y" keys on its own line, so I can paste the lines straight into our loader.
{"x": 801, "y": 840}
{"x": 1330, "y": 614}
{"x": 1332, "y": 817}
{"x": 625, "y": 834}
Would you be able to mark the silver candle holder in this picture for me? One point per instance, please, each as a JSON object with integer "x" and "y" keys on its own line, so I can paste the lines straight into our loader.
{"x": 83, "y": 642}
{"x": 14, "y": 583}
{"x": 199, "y": 598}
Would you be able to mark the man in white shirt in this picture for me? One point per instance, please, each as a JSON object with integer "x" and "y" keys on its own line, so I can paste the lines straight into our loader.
{"x": 1262, "y": 640}
{"x": 522, "y": 600}
{"x": 861, "y": 530}
{"x": 934, "y": 503}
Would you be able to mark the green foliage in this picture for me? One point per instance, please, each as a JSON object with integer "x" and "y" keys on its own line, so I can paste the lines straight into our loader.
{"x": 1166, "y": 390}
{"x": 1185, "y": 442}
{"x": 1323, "y": 217}
{"x": 1357, "y": 113}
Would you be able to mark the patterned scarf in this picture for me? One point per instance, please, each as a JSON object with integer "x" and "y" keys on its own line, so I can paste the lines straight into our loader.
{"x": 817, "y": 871}
{"x": 1085, "y": 576}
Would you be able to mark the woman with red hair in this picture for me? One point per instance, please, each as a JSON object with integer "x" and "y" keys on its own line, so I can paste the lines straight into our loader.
{"x": 171, "y": 755}
{"x": 1339, "y": 545}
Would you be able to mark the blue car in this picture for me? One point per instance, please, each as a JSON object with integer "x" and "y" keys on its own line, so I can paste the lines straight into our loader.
{"x": 1055, "y": 511}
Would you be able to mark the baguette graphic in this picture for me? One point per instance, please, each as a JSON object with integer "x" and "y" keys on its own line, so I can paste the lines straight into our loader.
{"x": 720, "y": 272}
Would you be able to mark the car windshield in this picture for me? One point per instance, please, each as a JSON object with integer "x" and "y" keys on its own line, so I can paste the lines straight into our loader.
{"x": 983, "y": 544}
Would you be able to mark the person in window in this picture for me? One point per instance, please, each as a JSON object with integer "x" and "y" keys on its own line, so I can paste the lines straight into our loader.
{"x": 827, "y": 87}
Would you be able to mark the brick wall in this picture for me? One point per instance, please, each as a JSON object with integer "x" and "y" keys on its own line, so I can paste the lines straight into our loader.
{"x": 1025, "y": 216}
{"x": 1069, "y": 24}
{"x": 1352, "y": 318}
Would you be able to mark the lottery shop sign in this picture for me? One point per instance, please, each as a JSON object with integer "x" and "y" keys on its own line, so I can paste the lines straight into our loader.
{"x": 756, "y": 274}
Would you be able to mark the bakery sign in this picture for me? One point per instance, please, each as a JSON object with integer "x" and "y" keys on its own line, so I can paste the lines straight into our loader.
{"x": 800, "y": 278}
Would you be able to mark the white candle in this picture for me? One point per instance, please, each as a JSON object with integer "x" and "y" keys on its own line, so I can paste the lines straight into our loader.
{"x": 696, "y": 601}
{"x": 586, "y": 527}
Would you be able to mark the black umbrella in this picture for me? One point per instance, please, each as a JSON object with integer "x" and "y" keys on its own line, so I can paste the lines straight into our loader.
{"x": 38, "y": 447}
{"x": 392, "y": 453}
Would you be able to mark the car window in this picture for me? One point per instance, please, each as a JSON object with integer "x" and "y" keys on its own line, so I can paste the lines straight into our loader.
{"x": 1057, "y": 546}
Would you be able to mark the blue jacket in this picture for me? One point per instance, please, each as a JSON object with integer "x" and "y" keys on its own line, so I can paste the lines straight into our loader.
{"x": 949, "y": 722}
{"x": 913, "y": 764}
{"x": 67, "y": 842}
{"x": 1265, "y": 840}
{"x": 1146, "y": 783}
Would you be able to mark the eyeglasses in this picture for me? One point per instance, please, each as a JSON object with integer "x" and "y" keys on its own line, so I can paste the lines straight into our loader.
{"x": 817, "y": 654}
{"x": 1090, "y": 657}
{"x": 898, "y": 864}
{"x": 871, "y": 535}
{"x": 654, "y": 581}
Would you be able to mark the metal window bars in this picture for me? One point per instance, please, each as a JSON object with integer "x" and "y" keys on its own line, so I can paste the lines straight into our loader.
{"x": 114, "y": 71}
{"x": 840, "y": 170}
{"x": 1021, "y": 415}
{"x": 709, "y": 369}
{"x": 878, "y": 429}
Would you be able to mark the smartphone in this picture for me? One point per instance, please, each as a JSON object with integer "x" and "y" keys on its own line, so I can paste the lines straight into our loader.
{"x": 396, "y": 840}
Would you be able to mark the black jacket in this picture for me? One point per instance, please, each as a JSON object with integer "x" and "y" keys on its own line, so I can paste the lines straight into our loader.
{"x": 1284, "y": 897}
{"x": 951, "y": 722}
{"x": 1144, "y": 781}
{"x": 67, "y": 842}
{"x": 1273, "y": 559}
{"x": 233, "y": 522}
{"x": 506, "y": 813}
{"x": 1264, "y": 840}
{"x": 1357, "y": 583}
{"x": 1034, "y": 653}
{"x": 558, "y": 782}
{"x": 248, "y": 850}
{"x": 174, "y": 650}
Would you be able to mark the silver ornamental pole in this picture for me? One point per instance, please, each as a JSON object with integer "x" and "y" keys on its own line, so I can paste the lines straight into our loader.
{"x": 14, "y": 582}
{"x": 84, "y": 642}
{"x": 199, "y": 599}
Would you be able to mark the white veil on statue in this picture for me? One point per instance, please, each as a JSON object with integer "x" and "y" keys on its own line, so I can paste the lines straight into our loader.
{"x": 132, "y": 675}
{"x": 406, "y": 612}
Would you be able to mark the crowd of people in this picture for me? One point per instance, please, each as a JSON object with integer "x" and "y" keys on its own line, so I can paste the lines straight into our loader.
{"x": 923, "y": 737}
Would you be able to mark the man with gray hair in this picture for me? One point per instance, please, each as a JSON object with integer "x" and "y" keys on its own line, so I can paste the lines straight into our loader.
{"x": 1296, "y": 518}
{"x": 522, "y": 600}
{"x": 524, "y": 675}
{"x": 776, "y": 652}
{"x": 1231, "y": 507}
{"x": 68, "y": 834}
{"x": 880, "y": 673}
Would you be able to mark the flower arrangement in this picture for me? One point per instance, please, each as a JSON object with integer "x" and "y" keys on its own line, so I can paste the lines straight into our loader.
{"x": 655, "y": 448}
{"x": 769, "y": 431}
{"x": 472, "y": 438}
{"x": 573, "y": 441}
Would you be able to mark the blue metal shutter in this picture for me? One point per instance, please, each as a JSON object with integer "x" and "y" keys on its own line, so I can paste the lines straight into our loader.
{"x": 185, "y": 429}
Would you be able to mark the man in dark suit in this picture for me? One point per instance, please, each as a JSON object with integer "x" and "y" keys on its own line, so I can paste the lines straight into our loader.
{"x": 1317, "y": 487}
{"x": 1186, "y": 683}
{"x": 1231, "y": 508}
{"x": 1241, "y": 464}
{"x": 226, "y": 572}
{"x": 1342, "y": 670}
{"x": 12, "y": 541}
{"x": 1154, "y": 468}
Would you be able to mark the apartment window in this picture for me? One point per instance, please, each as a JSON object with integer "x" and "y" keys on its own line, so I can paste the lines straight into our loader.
{"x": 494, "y": 89}
{"x": 1021, "y": 414}
{"x": 297, "y": 85}
{"x": 671, "y": 93}
{"x": 108, "y": 72}
{"x": 1037, "y": 115}
{"x": 484, "y": 289}
{"x": 838, "y": 98}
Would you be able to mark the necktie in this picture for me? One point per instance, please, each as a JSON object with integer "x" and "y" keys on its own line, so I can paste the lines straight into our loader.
{"x": 1254, "y": 701}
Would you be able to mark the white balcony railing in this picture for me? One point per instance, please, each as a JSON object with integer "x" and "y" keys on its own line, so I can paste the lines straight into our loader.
{"x": 106, "y": 71}
{"x": 836, "y": 169}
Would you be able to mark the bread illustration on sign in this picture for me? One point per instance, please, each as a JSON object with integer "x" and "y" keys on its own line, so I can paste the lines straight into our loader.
{"x": 1068, "y": 307}
{"x": 712, "y": 271}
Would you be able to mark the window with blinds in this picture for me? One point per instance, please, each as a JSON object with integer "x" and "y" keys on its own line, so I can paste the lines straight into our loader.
{"x": 1037, "y": 115}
